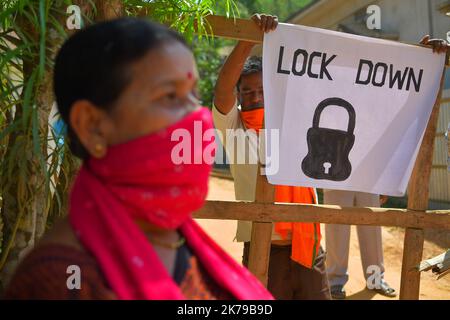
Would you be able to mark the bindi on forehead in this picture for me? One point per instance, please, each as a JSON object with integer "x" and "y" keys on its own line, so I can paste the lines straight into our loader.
{"x": 190, "y": 75}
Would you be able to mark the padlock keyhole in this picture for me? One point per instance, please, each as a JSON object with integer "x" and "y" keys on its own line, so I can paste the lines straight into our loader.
{"x": 327, "y": 167}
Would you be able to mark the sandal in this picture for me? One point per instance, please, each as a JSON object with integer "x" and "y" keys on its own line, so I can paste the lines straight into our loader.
{"x": 385, "y": 290}
{"x": 338, "y": 292}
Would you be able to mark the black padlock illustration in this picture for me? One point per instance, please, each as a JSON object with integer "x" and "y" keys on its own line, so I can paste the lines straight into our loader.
{"x": 328, "y": 149}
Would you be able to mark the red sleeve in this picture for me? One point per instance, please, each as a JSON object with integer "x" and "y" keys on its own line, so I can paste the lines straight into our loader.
{"x": 45, "y": 274}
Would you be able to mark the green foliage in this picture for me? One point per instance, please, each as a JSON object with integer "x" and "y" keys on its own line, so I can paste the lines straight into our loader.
{"x": 208, "y": 63}
{"x": 181, "y": 15}
{"x": 25, "y": 164}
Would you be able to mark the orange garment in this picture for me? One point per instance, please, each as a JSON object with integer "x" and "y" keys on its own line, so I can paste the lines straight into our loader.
{"x": 305, "y": 236}
{"x": 253, "y": 119}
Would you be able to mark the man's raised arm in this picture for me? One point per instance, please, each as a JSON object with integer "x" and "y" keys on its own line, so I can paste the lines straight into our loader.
{"x": 224, "y": 92}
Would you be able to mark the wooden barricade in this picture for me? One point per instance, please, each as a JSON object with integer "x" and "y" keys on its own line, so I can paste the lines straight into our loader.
{"x": 263, "y": 212}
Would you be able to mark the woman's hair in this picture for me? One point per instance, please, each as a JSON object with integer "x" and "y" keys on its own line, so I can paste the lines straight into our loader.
{"x": 93, "y": 64}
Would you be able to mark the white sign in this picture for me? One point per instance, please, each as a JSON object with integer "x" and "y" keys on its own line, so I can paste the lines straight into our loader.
{"x": 352, "y": 110}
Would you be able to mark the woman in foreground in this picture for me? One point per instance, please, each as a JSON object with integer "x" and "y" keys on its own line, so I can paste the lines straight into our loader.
{"x": 124, "y": 87}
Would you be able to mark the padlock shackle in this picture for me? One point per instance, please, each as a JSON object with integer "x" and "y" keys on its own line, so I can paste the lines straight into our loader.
{"x": 336, "y": 102}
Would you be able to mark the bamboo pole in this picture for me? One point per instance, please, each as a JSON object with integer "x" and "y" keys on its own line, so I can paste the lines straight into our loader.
{"x": 418, "y": 200}
{"x": 261, "y": 240}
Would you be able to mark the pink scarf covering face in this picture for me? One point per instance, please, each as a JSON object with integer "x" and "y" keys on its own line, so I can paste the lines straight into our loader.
{"x": 139, "y": 180}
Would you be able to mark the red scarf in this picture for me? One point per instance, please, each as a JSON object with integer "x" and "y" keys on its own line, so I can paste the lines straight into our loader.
{"x": 139, "y": 180}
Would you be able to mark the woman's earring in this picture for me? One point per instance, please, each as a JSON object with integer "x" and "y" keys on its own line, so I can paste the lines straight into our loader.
{"x": 98, "y": 148}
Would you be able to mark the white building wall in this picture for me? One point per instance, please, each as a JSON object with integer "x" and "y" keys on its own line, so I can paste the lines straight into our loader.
{"x": 411, "y": 20}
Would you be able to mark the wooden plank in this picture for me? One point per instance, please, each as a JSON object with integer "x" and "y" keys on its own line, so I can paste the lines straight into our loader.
{"x": 261, "y": 239}
{"x": 237, "y": 210}
{"x": 234, "y": 28}
{"x": 412, "y": 255}
{"x": 418, "y": 200}
{"x": 418, "y": 188}
{"x": 246, "y": 29}
{"x": 258, "y": 262}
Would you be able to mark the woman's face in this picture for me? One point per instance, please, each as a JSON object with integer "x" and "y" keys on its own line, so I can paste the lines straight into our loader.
{"x": 161, "y": 92}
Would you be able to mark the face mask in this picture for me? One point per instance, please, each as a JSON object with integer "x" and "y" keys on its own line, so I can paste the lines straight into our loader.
{"x": 143, "y": 176}
{"x": 253, "y": 119}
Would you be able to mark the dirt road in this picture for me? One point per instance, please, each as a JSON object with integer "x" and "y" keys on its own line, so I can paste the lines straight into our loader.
{"x": 223, "y": 232}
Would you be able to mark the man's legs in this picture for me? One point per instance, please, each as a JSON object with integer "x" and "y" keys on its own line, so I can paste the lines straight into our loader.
{"x": 371, "y": 247}
{"x": 280, "y": 273}
{"x": 337, "y": 240}
{"x": 279, "y": 276}
{"x": 311, "y": 284}
{"x": 289, "y": 280}
{"x": 279, "y": 281}
{"x": 370, "y": 243}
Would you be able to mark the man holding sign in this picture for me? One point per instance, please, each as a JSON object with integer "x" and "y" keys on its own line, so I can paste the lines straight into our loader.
{"x": 297, "y": 261}
{"x": 349, "y": 119}
{"x": 353, "y": 111}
